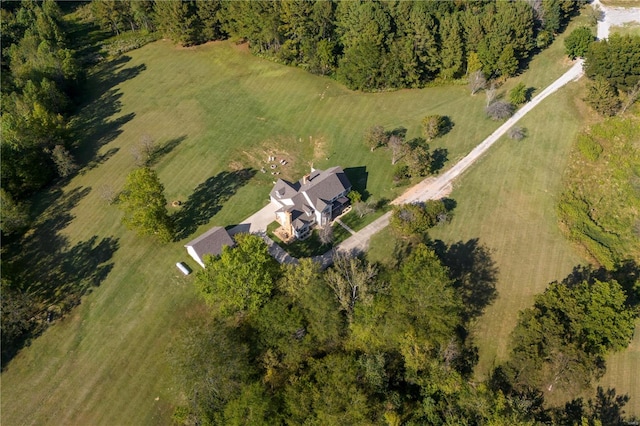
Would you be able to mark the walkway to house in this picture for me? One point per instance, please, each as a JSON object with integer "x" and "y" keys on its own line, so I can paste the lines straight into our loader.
{"x": 349, "y": 230}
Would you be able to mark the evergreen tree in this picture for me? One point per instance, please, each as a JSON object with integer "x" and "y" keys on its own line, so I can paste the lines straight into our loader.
{"x": 577, "y": 43}
{"x": 452, "y": 50}
{"x": 602, "y": 97}
{"x": 177, "y": 20}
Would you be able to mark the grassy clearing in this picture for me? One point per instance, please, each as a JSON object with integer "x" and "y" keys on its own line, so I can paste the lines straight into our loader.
{"x": 216, "y": 111}
{"x": 508, "y": 201}
{"x": 629, "y": 28}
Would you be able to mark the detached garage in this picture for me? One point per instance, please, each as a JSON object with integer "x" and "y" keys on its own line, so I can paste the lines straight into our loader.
{"x": 211, "y": 242}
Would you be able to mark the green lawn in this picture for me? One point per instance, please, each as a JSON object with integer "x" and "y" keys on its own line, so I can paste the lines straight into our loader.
{"x": 508, "y": 202}
{"x": 217, "y": 111}
{"x": 630, "y": 28}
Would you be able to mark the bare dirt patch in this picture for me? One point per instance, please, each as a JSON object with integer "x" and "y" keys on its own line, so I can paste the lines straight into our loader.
{"x": 283, "y": 157}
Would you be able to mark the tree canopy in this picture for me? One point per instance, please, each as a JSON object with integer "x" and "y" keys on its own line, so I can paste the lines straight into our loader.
{"x": 144, "y": 205}
{"x": 241, "y": 278}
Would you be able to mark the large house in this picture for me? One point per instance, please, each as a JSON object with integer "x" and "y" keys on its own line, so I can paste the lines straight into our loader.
{"x": 316, "y": 199}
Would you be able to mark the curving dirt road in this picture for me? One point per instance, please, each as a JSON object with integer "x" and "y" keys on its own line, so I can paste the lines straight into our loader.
{"x": 437, "y": 187}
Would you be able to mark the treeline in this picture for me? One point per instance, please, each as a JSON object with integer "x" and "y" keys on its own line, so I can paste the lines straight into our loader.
{"x": 40, "y": 77}
{"x": 364, "y": 343}
{"x": 367, "y": 45}
{"x": 613, "y": 66}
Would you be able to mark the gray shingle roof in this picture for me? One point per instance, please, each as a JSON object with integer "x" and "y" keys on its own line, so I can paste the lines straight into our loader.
{"x": 211, "y": 242}
{"x": 318, "y": 189}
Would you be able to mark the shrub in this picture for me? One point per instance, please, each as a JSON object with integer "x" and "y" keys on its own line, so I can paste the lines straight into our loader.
{"x": 518, "y": 95}
{"x": 589, "y": 147}
{"x": 517, "y": 133}
{"x": 499, "y": 110}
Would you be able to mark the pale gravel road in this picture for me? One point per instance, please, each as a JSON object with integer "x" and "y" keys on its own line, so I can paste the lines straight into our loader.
{"x": 615, "y": 17}
{"x": 435, "y": 188}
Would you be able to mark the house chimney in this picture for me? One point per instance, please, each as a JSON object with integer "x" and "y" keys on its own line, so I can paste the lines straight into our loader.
{"x": 305, "y": 179}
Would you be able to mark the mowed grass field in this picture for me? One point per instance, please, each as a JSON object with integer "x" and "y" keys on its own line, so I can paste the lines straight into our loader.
{"x": 214, "y": 109}
{"x": 508, "y": 202}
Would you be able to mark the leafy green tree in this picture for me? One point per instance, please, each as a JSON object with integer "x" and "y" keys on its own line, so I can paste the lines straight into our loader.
{"x": 433, "y": 126}
{"x": 177, "y": 20}
{"x": 144, "y": 205}
{"x": 416, "y": 219}
{"x": 241, "y": 278}
{"x": 375, "y": 137}
{"x": 419, "y": 159}
{"x": 561, "y": 342}
{"x": 211, "y": 363}
{"x": 603, "y": 97}
{"x": 352, "y": 281}
{"x": 304, "y": 284}
{"x": 363, "y": 28}
{"x": 252, "y": 407}
{"x": 113, "y": 15}
{"x": 329, "y": 391}
{"x": 209, "y": 17}
{"x": 518, "y": 95}
{"x": 617, "y": 59}
{"x": 258, "y": 22}
{"x": 63, "y": 160}
{"x": 507, "y": 62}
{"x": 577, "y": 43}
{"x": 14, "y": 216}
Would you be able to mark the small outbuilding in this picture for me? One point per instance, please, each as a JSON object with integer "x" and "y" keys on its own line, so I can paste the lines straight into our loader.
{"x": 211, "y": 242}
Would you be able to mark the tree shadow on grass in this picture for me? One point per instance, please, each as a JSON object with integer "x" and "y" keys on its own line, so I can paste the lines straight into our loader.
{"x": 164, "y": 149}
{"x": 50, "y": 272}
{"x": 474, "y": 274}
{"x": 207, "y": 200}
{"x": 439, "y": 157}
{"x": 94, "y": 125}
{"x": 358, "y": 176}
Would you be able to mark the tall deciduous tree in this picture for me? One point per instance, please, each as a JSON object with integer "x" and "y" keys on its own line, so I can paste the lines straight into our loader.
{"x": 375, "y": 137}
{"x": 241, "y": 278}
{"x": 433, "y": 126}
{"x": 352, "y": 280}
{"x": 14, "y": 216}
{"x": 562, "y": 340}
{"x": 144, "y": 205}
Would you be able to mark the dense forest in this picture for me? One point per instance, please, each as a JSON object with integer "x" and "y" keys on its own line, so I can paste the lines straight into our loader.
{"x": 364, "y": 343}
{"x": 367, "y": 45}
